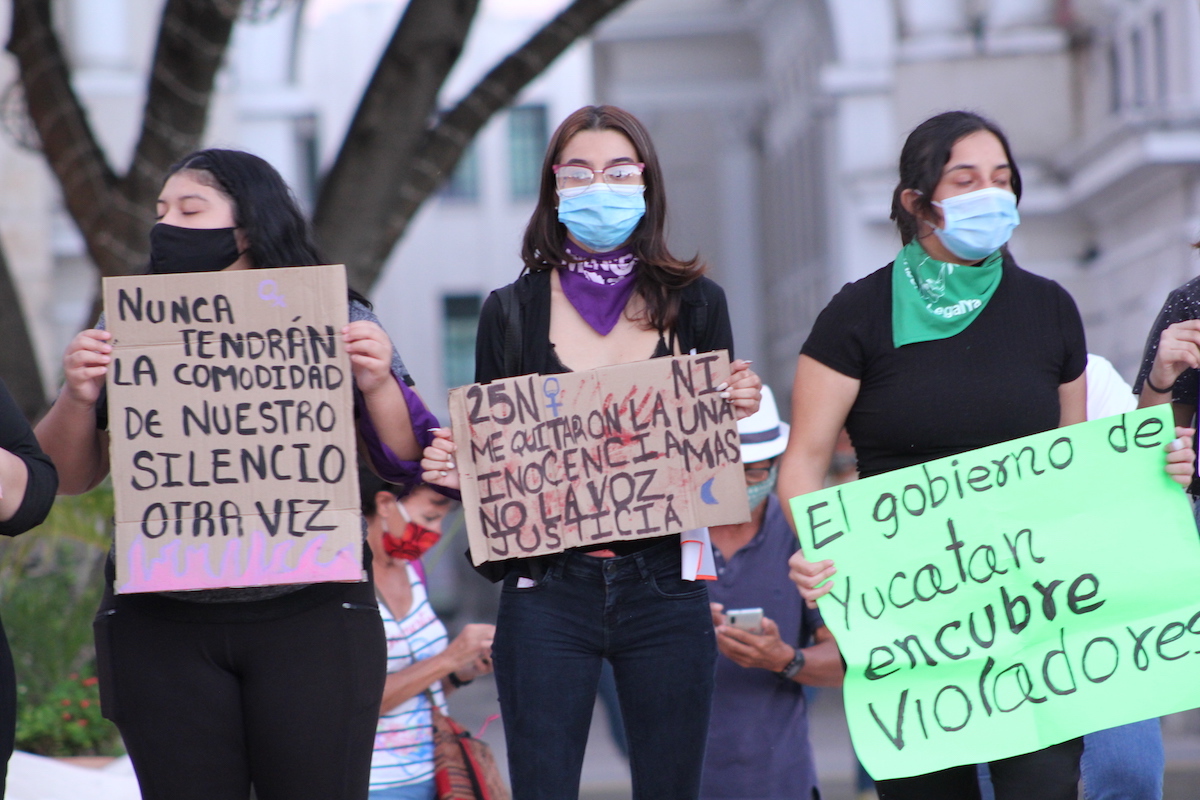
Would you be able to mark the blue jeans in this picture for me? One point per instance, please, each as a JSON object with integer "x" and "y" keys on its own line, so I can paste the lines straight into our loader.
{"x": 1124, "y": 763}
{"x": 1121, "y": 763}
{"x": 655, "y": 629}
{"x": 415, "y": 791}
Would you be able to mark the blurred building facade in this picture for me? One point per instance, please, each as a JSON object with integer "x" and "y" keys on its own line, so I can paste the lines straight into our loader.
{"x": 780, "y": 123}
{"x": 289, "y": 88}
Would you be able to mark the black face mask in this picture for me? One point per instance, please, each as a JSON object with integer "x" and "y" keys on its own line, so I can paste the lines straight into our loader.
{"x": 174, "y": 249}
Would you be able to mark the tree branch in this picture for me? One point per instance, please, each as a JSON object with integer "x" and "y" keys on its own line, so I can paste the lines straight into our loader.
{"x": 361, "y": 221}
{"x": 445, "y": 143}
{"x": 71, "y": 150}
{"x": 18, "y": 361}
{"x": 192, "y": 41}
{"x": 115, "y": 214}
{"x": 386, "y": 130}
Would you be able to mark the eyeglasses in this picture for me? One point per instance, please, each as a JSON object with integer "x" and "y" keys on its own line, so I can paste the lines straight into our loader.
{"x": 757, "y": 474}
{"x": 573, "y": 179}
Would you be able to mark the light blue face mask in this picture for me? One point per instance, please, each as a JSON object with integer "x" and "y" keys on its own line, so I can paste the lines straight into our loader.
{"x": 757, "y": 492}
{"x": 600, "y": 218}
{"x": 977, "y": 224}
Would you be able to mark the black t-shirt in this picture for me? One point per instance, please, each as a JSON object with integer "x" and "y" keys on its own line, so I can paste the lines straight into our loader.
{"x": 997, "y": 380}
{"x": 1182, "y": 304}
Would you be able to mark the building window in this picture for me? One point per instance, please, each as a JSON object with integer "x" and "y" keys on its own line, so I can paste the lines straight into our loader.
{"x": 1161, "y": 80}
{"x": 463, "y": 183}
{"x": 1114, "y": 73}
{"x": 461, "y": 318}
{"x": 1137, "y": 58}
{"x": 527, "y": 139}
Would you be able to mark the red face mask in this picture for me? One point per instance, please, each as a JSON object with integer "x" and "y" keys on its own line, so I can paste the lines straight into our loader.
{"x": 412, "y": 543}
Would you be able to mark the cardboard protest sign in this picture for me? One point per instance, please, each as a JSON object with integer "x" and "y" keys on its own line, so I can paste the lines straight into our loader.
{"x": 631, "y": 451}
{"x": 231, "y": 423}
{"x": 1012, "y": 597}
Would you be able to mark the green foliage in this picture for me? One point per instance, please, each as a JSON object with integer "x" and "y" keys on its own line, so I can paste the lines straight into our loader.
{"x": 67, "y": 721}
{"x": 51, "y": 582}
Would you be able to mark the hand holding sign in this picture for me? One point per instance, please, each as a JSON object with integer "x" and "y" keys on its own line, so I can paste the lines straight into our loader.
{"x": 743, "y": 390}
{"x": 437, "y": 461}
{"x": 370, "y": 352}
{"x": 810, "y": 577}
{"x": 1181, "y": 457}
{"x": 85, "y": 366}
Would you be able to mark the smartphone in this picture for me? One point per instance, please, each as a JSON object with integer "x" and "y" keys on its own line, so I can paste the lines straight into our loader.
{"x": 746, "y": 619}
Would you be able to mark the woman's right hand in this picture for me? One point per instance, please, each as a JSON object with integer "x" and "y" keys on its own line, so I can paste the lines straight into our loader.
{"x": 437, "y": 461}
{"x": 1178, "y": 350}
{"x": 85, "y": 365}
{"x": 808, "y": 574}
{"x": 471, "y": 651}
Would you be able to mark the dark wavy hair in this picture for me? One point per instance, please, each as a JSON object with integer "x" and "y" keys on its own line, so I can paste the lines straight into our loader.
{"x": 264, "y": 207}
{"x": 660, "y": 275}
{"x": 924, "y": 156}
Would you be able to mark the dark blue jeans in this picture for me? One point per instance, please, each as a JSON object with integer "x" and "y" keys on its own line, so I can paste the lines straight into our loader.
{"x": 656, "y": 630}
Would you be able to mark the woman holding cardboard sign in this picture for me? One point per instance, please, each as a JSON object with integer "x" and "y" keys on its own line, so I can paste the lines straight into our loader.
{"x": 278, "y": 686}
{"x": 951, "y": 348}
{"x": 602, "y": 289}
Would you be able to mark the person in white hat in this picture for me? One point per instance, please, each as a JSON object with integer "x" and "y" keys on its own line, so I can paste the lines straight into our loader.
{"x": 758, "y": 744}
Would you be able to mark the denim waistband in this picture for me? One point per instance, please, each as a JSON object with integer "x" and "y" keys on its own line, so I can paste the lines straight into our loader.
{"x": 635, "y": 566}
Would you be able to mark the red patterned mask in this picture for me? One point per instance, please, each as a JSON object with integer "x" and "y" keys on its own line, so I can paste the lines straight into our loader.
{"x": 412, "y": 543}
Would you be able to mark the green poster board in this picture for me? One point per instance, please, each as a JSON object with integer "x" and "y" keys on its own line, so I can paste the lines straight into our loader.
{"x": 1012, "y": 597}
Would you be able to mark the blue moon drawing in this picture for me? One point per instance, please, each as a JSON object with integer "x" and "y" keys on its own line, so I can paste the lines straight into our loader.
{"x": 706, "y": 493}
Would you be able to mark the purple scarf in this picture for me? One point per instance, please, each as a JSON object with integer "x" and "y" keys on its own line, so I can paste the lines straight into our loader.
{"x": 599, "y": 284}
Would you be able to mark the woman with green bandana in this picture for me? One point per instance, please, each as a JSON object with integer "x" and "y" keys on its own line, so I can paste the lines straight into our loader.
{"x": 949, "y": 348}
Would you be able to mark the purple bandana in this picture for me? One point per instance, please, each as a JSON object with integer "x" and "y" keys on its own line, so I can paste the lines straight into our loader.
{"x": 599, "y": 285}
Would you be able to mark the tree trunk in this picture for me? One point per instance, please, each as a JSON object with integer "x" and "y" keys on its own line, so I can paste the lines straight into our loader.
{"x": 18, "y": 362}
{"x": 368, "y": 199}
{"x": 351, "y": 217}
{"x": 115, "y": 214}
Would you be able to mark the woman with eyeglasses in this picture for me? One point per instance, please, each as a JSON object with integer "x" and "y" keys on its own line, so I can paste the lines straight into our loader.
{"x": 950, "y": 348}
{"x": 601, "y": 288}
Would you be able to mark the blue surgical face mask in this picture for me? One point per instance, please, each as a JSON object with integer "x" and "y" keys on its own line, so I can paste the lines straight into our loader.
{"x": 757, "y": 492}
{"x": 600, "y": 218}
{"x": 977, "y": 224}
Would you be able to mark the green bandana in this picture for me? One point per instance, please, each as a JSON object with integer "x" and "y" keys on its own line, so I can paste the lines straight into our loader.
{"x": 935, "y": 299}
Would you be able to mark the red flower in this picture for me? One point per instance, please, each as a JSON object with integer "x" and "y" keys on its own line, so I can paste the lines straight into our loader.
{"x": 84, "y": 703}
{"x": 66, "y": 715}
{"x": 81, "y": 723}
{"x": 66, "y": 702}
{"x": 91, "y": 681}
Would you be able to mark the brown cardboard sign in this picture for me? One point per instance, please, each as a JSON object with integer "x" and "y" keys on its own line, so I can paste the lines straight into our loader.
{"x": 633, "y": 451}
{"x": 231, "y": 429}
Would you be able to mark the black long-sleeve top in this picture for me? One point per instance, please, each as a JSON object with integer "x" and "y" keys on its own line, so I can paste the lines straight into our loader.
{"x": 16, "y": 436}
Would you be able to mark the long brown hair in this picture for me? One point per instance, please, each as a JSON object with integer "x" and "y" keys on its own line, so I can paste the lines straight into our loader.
{"x": 660, "y": 275}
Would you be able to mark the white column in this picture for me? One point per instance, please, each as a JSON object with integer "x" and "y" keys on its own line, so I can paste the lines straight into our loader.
{"x": 736, "y": 164}
{"x": 1005, "y": 14}
{"x": 935, "y": 29}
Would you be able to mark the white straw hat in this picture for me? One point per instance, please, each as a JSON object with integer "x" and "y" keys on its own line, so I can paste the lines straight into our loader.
{"x": 763, "y": 434}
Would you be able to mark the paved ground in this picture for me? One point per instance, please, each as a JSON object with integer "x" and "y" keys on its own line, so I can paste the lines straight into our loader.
{"x": 605, "y": 773}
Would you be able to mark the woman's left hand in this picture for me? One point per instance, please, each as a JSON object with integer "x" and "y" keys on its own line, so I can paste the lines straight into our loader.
{"x": 1181, "y": 456}
{"x": 370, "y": 352}
{"x": 743, "y": 390}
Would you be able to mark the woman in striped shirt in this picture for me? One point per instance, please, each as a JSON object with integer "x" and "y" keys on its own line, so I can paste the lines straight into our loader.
{"x": 420, "y": 655}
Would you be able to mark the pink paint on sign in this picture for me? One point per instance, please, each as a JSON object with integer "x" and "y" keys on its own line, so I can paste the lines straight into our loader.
{"x": 180, "y": 567}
